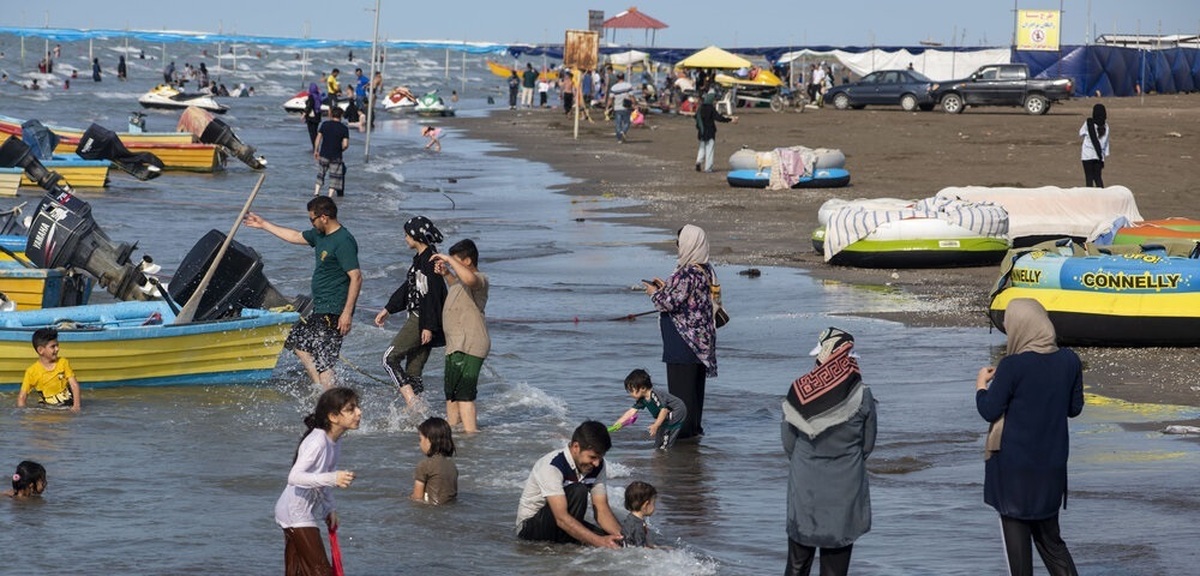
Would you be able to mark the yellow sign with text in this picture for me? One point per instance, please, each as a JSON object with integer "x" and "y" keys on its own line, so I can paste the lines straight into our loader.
{"x": 1038, "y": 30}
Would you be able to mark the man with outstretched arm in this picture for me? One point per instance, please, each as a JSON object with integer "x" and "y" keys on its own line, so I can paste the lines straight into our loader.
{"x": 554, "y": 502}
{"x": 336, "y": 281}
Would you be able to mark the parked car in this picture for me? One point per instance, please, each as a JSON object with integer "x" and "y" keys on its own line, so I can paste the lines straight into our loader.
{"x": 1003, "y": 85}
{"x": 908, "y": 88}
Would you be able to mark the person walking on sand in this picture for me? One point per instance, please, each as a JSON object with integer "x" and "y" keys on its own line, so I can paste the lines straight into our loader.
{"x": 336, "y": 281}
{"x": 514, "y": 86}
{"x": 621, "y": 95}
{"x": 828, "y": 431}
{"x": 1028, "y": 398}
{"x": 528, "y": 84}
{"x": 1095, "y": 146}
{"x": 706, "y": 130}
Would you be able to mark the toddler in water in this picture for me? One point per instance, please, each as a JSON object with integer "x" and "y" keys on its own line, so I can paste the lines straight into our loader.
{"x": 639, "y": 501}
{"x": 668, "y": 411}
{"x": 28, "y": 482}
{"x": 436, "y": 479}
{"x": 433, "y": 134}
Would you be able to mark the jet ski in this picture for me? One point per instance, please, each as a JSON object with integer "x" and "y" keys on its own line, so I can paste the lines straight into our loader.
{"x": 170, "y": 98}
{"x": 296, "y": 103}
{"x": 400, "y": 100}
{"x": 431, "y": 104}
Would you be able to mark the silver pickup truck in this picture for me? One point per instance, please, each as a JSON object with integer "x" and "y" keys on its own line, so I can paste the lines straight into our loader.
{"x": 1002, "y": 85}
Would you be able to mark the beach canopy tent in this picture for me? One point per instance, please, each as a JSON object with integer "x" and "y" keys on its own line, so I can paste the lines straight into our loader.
{"x": 628, "y": 57}
{"x": 713, "y": 57}
{"x": 936, "y": 63}
{"x": 631, "y": 18}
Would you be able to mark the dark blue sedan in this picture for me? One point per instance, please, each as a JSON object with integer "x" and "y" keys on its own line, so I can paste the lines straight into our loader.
{"x": 908, "y": 88}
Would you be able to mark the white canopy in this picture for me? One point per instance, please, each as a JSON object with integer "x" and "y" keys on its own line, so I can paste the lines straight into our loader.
{"x": 627, "y": 58}
{"x": 936, "y": 64}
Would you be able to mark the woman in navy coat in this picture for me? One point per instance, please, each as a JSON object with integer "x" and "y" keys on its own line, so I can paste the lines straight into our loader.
{"x": 1032, "y": 392}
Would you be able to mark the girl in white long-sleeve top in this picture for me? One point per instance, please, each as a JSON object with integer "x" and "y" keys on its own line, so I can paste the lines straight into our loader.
{"x": 313, "y": 474}
{"x": 1095, "y": 146}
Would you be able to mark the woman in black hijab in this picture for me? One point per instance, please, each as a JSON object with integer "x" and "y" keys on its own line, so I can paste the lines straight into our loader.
{"x": 1095, "y": 146}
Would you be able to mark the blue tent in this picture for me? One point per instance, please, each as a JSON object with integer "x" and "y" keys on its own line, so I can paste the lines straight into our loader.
{"x": 1118, "y": 71}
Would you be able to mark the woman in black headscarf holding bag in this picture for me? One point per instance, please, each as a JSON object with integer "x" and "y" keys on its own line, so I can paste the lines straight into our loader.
{"x": 1028, "y": 398}
{"x": 1095, "y": 146}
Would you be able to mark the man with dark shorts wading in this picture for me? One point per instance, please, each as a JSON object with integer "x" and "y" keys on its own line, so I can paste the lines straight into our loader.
{"x": 555, "y": 500}
{"x": 336, "y": 281}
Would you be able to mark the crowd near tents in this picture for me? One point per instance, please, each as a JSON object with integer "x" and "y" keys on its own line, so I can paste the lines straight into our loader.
{"x": 1116, "y": 69}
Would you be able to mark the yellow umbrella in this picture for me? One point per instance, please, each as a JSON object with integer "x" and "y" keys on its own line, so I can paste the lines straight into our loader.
{"x": 713, "y": 57}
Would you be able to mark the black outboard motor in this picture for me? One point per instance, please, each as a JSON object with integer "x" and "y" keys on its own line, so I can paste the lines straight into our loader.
{"x": 16, "y": 154}
{"x": 218, "y": 132}
{"x": 64, "y": 234}
{"x": 40, "y": 139}
{"x": 100, "y": 143}
{"x": 211, "y": 130}
{"x": 238, "y": 283}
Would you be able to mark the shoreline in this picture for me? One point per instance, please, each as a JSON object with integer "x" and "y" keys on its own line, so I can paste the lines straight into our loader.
{"x": 890, "y": 153}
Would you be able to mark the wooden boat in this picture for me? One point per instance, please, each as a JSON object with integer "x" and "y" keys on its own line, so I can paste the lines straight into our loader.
{"x": 10, "y": 181}
{"x": 76, "y": 171}
{"x": 505, "y": 71}
{"x": 1165, "y": 230}
{"x": 37, "y": 288}
{"x": 1128, "y": 297}
{"x": 12, "y": 243}
{"x": 136, "y": 344}
{"x": 178, "y": 151}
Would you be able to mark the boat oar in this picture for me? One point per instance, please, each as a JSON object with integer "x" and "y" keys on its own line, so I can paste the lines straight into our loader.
{"x": 188, "y": 312}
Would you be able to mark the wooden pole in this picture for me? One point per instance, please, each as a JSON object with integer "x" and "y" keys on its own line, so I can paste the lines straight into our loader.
{"x": 371, "y": 88}
{"x": 188, "y": 312}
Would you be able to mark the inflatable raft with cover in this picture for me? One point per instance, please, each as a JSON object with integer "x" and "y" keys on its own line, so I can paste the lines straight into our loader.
{"x": 1108, "y": 295}
{"x": 893, "y": 233}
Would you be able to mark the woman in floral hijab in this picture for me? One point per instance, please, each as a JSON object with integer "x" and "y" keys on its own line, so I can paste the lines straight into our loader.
{"x": 686, "y": 320}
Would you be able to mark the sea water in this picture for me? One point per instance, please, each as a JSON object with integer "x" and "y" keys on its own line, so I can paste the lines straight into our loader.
{"x": 183, "y": 480}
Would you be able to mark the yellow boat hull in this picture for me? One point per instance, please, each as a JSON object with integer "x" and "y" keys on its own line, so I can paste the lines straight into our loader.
{"x": 9, "y": 183}
{"x": 77, "y": 176}
{"x": 37, "y": 288}
{"x": 181, "y": 155}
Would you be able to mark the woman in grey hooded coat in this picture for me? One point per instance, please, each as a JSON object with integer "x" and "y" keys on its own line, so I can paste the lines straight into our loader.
{"x": 828, "y": 431}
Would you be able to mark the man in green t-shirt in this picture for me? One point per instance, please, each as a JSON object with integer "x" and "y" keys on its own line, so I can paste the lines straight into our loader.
{"x": 336, "y": 281}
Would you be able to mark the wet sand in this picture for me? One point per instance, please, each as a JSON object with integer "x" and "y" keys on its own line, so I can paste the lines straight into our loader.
{"x": 890, "y": 153}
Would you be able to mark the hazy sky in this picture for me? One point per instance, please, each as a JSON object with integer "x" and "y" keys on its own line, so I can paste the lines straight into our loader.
{"x": 729, "y": 23}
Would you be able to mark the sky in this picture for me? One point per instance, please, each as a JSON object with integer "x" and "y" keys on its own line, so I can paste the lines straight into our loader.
{"x": 691, "y": 24}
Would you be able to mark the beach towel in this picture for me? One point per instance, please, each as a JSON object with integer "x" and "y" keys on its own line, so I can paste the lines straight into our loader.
{"x": 790, "y": 165}
{"x": 853, "y": 221}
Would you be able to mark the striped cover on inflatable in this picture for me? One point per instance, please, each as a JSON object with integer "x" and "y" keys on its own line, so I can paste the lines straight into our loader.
{"x": 855, "y": 220}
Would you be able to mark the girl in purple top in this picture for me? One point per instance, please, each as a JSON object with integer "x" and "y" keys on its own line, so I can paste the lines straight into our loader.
{"x": 688, "y": 331}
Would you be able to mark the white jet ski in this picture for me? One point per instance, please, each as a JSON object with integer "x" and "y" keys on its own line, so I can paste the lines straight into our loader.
{"x": 166, "y": 97}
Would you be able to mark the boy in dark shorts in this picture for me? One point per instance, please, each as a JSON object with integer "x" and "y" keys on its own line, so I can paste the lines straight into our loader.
{"x": 668, "y": 411}
{"x": 467, "y": 340}
{"x": 336, "y": 281}
{"x": 333, "y": 138}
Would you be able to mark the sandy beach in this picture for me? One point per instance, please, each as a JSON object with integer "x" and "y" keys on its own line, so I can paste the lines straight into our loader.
{"x": 890, "y": 153}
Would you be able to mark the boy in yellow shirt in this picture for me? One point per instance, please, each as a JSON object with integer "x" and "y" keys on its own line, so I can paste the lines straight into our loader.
{"x": 50, "y": 376}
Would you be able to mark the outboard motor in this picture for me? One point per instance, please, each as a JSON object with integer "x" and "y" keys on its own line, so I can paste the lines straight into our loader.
{"x": 64, "y": 234}
{"x": 40, "y": 139}
{"x": 100, "y": 143}
{"x": 137, "y": 122}
{"x": 211, "y": 130}
{"x": 16, "y": 154}
{"x": 238, "y": 283}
